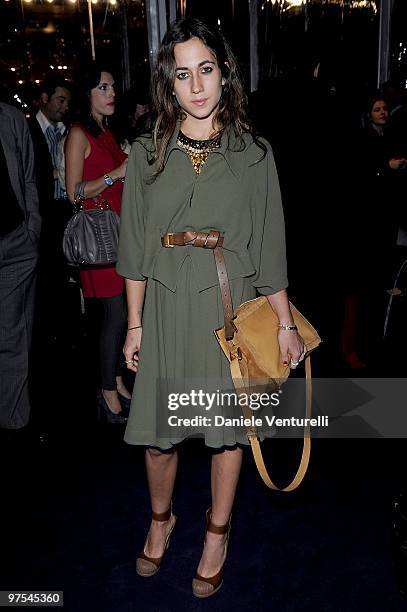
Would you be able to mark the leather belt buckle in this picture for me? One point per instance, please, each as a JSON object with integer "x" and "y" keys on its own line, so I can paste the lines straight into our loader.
{"x": 165, "y": 241}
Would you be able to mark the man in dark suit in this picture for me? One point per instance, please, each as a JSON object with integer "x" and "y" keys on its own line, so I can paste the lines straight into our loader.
{"x": 47, "y": 130}
{"x": 20, "y": 226}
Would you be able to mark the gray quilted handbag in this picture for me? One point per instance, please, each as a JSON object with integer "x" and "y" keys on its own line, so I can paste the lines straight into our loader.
{"x": 91, "y": 236}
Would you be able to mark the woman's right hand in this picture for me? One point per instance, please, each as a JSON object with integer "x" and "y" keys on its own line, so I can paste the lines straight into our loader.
{"x": 120, "y": 171}
{"x": 131, "y": 348}
{"x": 397, "y": 163}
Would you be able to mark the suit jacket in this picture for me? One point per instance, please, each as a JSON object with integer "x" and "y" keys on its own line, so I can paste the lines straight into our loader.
{"x": 17, "y": 144}
{"x": 44, "y": 168}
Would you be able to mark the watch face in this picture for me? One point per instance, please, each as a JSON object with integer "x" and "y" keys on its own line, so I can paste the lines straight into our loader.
{"x": 108, "y": 180}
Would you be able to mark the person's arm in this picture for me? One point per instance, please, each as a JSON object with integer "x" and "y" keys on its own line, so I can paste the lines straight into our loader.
{"x": 135, "y": 299}
{"x": 131, "y": 253}
{"x": 31, "y": 194}
{"x": 77, "y": 149}
{"x": 267, "y": 245}
{"x": 279, "y": 303}
{"x": 268, "y": 249}
{"x": 292, "y": 347}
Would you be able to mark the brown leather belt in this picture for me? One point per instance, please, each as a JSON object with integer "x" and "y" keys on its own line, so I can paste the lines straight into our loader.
{"x": 208, "y": 240}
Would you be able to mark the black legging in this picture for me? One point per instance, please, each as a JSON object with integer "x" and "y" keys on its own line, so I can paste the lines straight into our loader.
{"x": 111, "y": 315}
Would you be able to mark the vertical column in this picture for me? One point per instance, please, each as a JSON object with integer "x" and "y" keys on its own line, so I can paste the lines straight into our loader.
{"x": 254, "y": 49}
{"x": 172, "y": 10}
{"x": 125, "y": 60}
{"x": 182, "y": 7}
{"x": 156, "y": 25}
{"x": 383, "y": 64}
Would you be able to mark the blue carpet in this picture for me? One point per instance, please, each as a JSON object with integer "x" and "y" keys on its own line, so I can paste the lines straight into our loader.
{"x": 77, "y": 514}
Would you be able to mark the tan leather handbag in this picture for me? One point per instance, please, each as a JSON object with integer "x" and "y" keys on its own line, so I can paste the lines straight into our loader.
{"x": 249, "y": 340}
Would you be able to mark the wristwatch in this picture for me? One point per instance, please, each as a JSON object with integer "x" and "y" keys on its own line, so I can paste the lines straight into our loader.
{"x": 108, "y": 180}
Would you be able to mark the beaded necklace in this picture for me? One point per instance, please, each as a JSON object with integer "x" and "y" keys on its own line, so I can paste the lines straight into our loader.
{"x": 198, "y": 150}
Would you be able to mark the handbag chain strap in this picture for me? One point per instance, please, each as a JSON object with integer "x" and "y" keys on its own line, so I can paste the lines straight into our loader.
{"x": 79, "y": 198}
{"x": 103, "y": 205}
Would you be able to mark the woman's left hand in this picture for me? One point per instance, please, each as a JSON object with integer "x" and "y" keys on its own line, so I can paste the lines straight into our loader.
{"x": 292, "y": 348}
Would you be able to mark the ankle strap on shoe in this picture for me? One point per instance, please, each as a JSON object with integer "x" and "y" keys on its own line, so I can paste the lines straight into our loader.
{"x": 219, "y": 529}
{"x": 161, "y": 516}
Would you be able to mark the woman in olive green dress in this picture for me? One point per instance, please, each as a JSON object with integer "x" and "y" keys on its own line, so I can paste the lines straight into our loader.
{"x": 201, "y": 170}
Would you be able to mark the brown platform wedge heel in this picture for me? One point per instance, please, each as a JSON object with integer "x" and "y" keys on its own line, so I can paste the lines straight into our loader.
{"x": 148, "y": 566}
{"x": 205, "y": 587}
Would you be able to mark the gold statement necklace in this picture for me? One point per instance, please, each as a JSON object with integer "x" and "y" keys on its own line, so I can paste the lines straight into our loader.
{"x": 198, "y": 150}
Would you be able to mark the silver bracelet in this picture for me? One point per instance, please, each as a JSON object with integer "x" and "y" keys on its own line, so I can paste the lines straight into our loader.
{"x": 288, "y": 327}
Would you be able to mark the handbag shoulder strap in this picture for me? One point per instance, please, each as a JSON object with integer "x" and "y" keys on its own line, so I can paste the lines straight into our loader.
{"x": 236, "y": 363}
{"x": 238, "y": 380}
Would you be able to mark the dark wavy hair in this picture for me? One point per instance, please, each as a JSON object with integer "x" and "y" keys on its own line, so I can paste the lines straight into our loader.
{"x": 88, "y": 78}
{"x": 231, "y": 112}
{"x": 50, "y": 84}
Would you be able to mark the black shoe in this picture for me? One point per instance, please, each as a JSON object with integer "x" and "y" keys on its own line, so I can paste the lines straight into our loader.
{"x": 111, "y": 417}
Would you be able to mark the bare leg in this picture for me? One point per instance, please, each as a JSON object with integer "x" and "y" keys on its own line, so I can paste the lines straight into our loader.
{"x": 161, "y": 472}
{"x": 121, "y": 388}
{"x": 224, "y": 477}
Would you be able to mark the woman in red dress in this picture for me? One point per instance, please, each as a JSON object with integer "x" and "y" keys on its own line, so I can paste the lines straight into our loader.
{"x": 92, "y": 156}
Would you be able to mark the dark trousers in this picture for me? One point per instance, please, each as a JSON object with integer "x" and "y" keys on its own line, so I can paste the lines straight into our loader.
{"x": 54, "y": 317}
{"x": 109, "y": 316}
{"x": 18, "y": 261}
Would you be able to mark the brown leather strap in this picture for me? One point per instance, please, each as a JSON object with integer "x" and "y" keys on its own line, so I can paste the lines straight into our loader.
{"x": 225, "y": 293}
{"x": 239, "y": 375}
{"x": 205, "y": 240}
{"x": 161, "y": 516}
{"x": 219, "y": 529}
{"x": 209, "y": 240}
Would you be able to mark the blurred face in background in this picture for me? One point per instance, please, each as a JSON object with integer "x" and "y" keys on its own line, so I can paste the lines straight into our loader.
{"x": 102, "y": 96}
{"x": 379, "y": 113}
{"x": 141, "y": 109}
{"x": 56, "y": 107}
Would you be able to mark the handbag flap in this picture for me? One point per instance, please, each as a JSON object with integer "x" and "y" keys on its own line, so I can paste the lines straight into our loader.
{"x": 257, "y": 336}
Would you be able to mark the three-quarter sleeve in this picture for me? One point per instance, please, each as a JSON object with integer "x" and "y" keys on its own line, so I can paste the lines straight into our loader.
{"x": 267, "y": 246}
{"x": 132, "y": 222}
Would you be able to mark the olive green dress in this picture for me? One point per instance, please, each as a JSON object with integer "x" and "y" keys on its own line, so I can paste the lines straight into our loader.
{"x": 236, "y": 192}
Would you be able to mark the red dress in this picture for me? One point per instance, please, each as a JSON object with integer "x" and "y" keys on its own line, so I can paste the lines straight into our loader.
{"x": 105, "y": 155}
